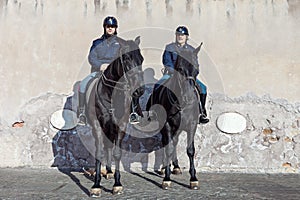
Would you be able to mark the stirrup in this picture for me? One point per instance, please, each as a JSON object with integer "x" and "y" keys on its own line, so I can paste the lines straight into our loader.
{"x": 82, "y": 120}
{"x": 134, "y": 118}
{"x": 203, "y": 119}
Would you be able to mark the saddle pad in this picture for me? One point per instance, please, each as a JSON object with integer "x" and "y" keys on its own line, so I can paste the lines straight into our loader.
{"x": 90, "y": 87}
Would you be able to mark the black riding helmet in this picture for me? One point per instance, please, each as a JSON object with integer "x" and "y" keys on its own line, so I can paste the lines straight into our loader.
{"x": 110, "y": 21}
{"x": 182, "y": 30}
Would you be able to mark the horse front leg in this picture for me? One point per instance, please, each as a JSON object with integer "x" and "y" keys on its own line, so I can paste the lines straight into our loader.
{"x": 118, "y": 188}
{"x": 194, "y": 184}
{"x": 168, "y": 154}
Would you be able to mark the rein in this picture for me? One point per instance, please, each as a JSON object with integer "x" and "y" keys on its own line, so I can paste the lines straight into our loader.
{"x": 108, "y": 82}
{"x": 105, "y": 81}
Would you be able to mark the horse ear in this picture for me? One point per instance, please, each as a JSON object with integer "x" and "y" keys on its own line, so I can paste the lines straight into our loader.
{"x": 137, "y": 40}
{"x": 196, "y": 51}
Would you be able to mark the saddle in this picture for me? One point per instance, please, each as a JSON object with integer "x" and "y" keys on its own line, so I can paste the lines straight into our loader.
{"x": 90, "y": 85}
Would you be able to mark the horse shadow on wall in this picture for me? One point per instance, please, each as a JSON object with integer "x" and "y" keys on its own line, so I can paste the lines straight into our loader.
{"x": 68, "y": 149}
{"x": 74, "y": 149}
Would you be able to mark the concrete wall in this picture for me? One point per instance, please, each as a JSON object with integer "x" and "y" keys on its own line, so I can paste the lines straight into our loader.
{"x": 249, "y": 46}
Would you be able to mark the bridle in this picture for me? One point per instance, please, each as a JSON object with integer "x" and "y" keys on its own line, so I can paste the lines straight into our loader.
{"x": 119, "y": 85}
{"x": 127, "y": 74}
{"x": 184, "y": 99}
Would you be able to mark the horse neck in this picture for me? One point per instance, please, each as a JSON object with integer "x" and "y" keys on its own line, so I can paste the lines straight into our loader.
{"x": 171, "y": 94}
{"x": 107, "y": 83}
{"x": 175, "y": 85}
{"x": 110, "y": 71}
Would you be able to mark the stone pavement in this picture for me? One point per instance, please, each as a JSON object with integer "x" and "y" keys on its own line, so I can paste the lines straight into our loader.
{"x": 28, "y": 183}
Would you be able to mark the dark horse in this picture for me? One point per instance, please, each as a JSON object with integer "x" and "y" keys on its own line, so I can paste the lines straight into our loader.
{"x": 176, "y": 107}
{"x": 109, "y": 106}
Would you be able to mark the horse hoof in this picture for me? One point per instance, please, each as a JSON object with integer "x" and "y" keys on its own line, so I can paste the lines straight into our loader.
{"x": 166, "y": 185}
{"x": 117, "y": 189}
{"x": 194, "y": 185}
{"x": 95, "y": 192}
{"x": 109, "y": 176}
{"x": 177, "y": 171}
{"x": 89, "y": 172}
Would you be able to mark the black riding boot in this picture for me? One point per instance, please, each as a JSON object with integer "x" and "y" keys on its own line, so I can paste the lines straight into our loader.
{"x": 81, "y": 114}
{"x": 203, "y": 116}
{"x": 136, "y": 113}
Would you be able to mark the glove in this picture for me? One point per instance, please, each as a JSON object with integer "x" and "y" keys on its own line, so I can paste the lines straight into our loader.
{"x": 103, "y": 67}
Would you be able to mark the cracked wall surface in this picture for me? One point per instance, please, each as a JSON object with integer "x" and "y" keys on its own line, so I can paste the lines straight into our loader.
{"x": 270, "y": 143}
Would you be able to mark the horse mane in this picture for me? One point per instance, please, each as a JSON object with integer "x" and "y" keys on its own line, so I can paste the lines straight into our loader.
{"x": 126, "y": 47}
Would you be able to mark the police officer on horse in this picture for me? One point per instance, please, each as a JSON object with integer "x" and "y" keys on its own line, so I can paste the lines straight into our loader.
{"x": 102, "y": 52}
{"x": 169, "y": 59}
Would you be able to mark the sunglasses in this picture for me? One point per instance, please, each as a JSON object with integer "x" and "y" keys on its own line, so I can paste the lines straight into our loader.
{"x": 110, "y": 26}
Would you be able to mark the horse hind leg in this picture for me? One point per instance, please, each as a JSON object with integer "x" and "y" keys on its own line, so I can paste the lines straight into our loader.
{"x": 95, "y": 191}
{"x": 168, "y": 153}
{"x": 176, "y": 168}
{"x": 109, "y": 173}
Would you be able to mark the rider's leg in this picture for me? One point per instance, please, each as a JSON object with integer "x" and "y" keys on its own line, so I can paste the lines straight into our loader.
{"x": 81, "y": 111}
{"x": 81, "y": 98}
{"x": 136, "y": 111}
{"x": 202, "y": 100}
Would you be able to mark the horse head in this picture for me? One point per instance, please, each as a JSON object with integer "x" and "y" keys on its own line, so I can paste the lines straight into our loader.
{"x": 131, "y": 70}
{"x": 187, "y": 69}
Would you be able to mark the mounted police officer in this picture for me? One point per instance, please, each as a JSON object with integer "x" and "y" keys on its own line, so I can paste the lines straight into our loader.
{"x": 102, "y": 52}
{"x": 169, "y": 59}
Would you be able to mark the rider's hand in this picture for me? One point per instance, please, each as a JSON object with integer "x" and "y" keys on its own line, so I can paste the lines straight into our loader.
{"x": 103, "y": 67}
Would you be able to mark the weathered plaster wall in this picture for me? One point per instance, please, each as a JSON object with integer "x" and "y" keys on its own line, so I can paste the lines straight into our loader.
{"x": 249, "y": 46}
{"x": 270, "y": 143}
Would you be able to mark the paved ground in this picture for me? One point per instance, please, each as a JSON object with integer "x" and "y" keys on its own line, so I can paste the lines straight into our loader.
{"x": 24, "y": 183}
